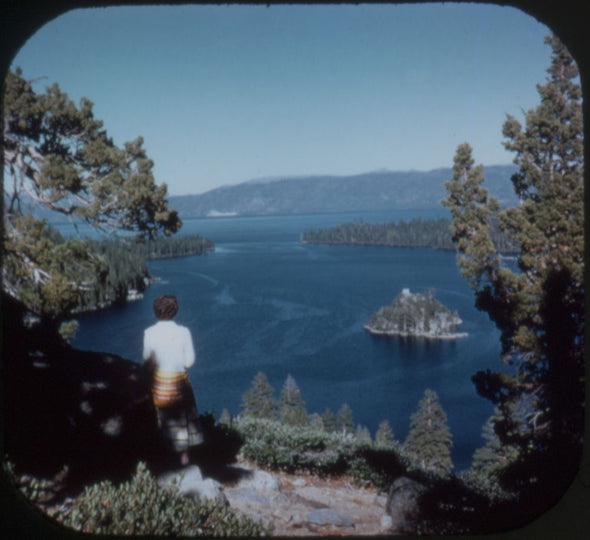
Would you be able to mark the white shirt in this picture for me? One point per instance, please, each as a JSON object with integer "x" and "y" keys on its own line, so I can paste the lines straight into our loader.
{"x": 170, "y": 345}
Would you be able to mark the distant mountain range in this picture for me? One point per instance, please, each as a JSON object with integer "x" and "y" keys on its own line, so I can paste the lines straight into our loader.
{"x": 380, "y": 190}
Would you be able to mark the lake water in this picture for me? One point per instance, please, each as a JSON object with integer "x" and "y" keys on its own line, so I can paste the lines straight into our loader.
{"x": 265, "y": 302}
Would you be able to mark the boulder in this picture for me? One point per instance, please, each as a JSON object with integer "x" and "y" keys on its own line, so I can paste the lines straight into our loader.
{"x": 208, "y": 489}
{"x": 386, "y": 522}
{"x": 189, "y": 474}
{"x": 402, "y": 504}
{"x": 259, "y": 481}
{"x": 190, "y": 481}
{"x": 247, "y": 495}
{"x": 327, "y": 516}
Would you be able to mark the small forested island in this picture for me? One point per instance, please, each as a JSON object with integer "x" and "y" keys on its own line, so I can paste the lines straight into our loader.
{"x": 416, "y": 315}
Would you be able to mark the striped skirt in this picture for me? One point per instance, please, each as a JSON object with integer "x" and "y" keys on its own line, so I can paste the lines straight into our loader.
{"x": 178, "y": 418}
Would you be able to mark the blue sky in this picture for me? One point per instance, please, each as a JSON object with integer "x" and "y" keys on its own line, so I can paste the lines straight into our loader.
{"x": 224, "y": 94}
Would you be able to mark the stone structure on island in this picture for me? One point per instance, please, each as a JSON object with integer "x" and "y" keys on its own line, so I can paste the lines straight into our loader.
{"x": 416, "y": 315}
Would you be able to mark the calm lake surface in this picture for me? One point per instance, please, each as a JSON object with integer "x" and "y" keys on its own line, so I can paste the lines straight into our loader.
{"x": 265, "y": 302}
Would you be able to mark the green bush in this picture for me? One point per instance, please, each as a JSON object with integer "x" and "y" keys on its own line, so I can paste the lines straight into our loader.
{"x": 36, "y": 490}
{"x": 277, "y": 446}
{"x": 280, "y": 446}
{"x": 141, "y": 507}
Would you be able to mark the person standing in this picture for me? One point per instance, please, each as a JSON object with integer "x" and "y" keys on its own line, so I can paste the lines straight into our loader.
{"x": 169, "y": 347}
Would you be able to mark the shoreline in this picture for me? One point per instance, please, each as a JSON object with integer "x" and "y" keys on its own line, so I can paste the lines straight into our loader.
{"x": 396, "y": 333}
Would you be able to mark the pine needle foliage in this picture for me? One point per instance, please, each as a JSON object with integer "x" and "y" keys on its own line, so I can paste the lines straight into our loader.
{"x": 292, "y": 405}
{"x": 344, "y": 419}
{"x": 329, "y": 420}
{"x": 493, "y": 456}
{"x": 539, "y": 308}
{"x": 384, "y": 435}
{"x": 429, "y": 440}
{"x": 58, "y": 157}
{"x": 258, "y": 401}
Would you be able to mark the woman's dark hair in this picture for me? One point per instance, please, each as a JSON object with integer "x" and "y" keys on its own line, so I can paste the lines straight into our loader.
{"x": 165, "y": 306}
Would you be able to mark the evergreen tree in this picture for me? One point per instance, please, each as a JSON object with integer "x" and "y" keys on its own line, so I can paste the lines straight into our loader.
{"x": 429, "y": 440}
{"x": 384, "y": 435}
{"x": 329, "y": 421}
{"x": 344, "y": 419}
{"x": 225, "y": 417}
{"x": 258, "y": 401}
{"x": 315, "y": 421}
{"x": 493, "y": 456}
{"x": 292, "y": 405}
{"x": 539, "y": 309}
{"x": 58, "y": 156}
{"x": 363, "y": 435}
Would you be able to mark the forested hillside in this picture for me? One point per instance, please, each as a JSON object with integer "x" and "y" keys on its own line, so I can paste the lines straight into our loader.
{"x": 414, "y": 233}
{"x": 107, "y": 270}
{"x": 125, "y": 265}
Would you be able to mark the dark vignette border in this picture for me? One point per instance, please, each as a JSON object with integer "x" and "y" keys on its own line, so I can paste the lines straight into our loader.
{"x": 570, "y": 519}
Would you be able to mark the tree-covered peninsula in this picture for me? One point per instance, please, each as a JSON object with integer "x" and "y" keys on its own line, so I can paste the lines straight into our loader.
{"x": 100, "y": 273}
{"x": 124, "y": 272}
{"x": 415, "y": 315}
{"x": 432, "y": 233}
{"x": 59, "y": 160}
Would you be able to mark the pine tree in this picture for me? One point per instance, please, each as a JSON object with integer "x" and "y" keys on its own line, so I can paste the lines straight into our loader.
{"x": 384, "y": 435}
{"x": 292, "y": 405}
{"x": 316, "y": 422}
{"x": 539, "y": 309}
{"x": 363, "y": 435}
{"x": 57, "y": 156}
{"x": 329, "y": 421}
{"x": 225, "y": 417}
{"x": 258, "y": 401}
{"x": 429, "y": 440}
{"x": 344, "y": 419}
{"x": 493, "y": 456}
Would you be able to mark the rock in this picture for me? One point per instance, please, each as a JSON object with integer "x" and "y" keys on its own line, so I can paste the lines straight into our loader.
{"x": 299, "y": 482}
{"x": 259, "y": 480}
{"x": 386, "y": 522}
{"x": 181, "y": 477}
{"x": 190, "y": 481}
{"x": 380, "y": 500}
{"x": 296, "y": 521}
{"x": 402, "y": 503}
{"x": 327, "y": 516}
{"x": 208, "y": 489}
{"x": 247, "y": 495}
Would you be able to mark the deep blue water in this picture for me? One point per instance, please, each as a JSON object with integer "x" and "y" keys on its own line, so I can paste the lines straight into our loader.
{"x": 265, "y": 302}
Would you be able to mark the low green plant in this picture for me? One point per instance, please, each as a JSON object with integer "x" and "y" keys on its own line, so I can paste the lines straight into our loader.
{"x": 67, "y": 330}
{"x": 36, "y": 490}
{"x": 141, "y": 507}
{"x": 277, "y": 446}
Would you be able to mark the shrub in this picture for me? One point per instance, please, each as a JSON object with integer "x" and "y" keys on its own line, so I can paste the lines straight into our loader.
{"x": 277, "y": 446}
{"x": 36, "y": 490}
{"x": 141, "y": 507}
